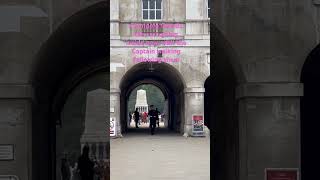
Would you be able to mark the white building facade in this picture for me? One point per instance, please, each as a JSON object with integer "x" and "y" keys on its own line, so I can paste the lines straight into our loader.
{"x": 182, "y": 80}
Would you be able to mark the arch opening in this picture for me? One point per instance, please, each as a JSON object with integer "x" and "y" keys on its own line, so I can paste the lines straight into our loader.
{"x": 167, "y": 79}
{"x": 74, "y": 52}
{"x": 149, "y": 94}
{"x": 310, "y": 76}
{"x": 79, "y": 115}
{"x": 221, "y": 108}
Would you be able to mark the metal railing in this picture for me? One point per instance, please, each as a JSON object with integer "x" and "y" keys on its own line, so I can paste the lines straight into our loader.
{"x": 148, "y": 27}
{"x": 151, "y": 27}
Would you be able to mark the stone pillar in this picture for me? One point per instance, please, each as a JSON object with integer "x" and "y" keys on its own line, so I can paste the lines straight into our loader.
{"x": 114, "y": 20}
{"x": 194, "y": 105}
{"x": 115, "y": 104}
{"x": 166, "y": 113}
{"x": 92, "y": 149}
{"x": 269, "y": 127}
{"x": 105, "y": 149}
{"x": 16, "y": 129}
{"x": 100, "y": 150}
{"x": 97, "y": 150}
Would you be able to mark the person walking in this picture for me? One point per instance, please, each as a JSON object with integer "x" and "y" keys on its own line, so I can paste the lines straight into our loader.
{"x": 65, "y": 169}
{"x": 130, "y": 117}
{"x": 136, "y": 117}
{"x": 85, "y": 165}
{"x": 158, "y": 119}
{"x": 145, "y": 117}
{"x": 153, "y": 118}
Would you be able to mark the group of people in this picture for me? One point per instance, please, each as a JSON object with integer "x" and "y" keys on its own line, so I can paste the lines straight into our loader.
{"x": 139, "y": 117}
{"x": 153, "y": 115}
{"x": 85, "y": 168}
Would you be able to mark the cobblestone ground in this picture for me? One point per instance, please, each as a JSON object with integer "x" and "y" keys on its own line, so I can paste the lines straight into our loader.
{"x": 164, "y": 156}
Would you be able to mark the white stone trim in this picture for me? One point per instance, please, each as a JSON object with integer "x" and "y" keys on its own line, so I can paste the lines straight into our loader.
{"x": 194, "y": 90}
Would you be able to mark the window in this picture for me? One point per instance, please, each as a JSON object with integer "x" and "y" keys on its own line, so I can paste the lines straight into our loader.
{"x": 209, "y": 8}
{"x": 151, "y": 9}
{"x": 208, "y": 14}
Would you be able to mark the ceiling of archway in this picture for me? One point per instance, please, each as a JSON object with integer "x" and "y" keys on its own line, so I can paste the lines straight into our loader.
{"x": 78, "y": 44}
{"x": 160, "y": 72}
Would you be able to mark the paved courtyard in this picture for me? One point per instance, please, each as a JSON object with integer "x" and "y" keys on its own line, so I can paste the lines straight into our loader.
{"x": 164, "y": 156}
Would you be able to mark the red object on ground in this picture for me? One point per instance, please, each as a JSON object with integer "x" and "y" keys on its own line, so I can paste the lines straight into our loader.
{"x": 197, "y": 118}
{"x": 275, "y": 174}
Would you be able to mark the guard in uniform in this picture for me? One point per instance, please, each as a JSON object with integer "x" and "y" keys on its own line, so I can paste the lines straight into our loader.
{"x": 153, "y": 114}
{"x": 85, "y": 165}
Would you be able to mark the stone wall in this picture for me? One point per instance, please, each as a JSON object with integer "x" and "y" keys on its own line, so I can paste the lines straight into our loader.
{"x": 271, "y": 40}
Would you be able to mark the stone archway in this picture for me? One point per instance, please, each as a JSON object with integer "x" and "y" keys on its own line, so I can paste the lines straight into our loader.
{"x": 83, "y": 118}
{"x": 73, "y": 52}
{"x": 221, "y": 108}
{"x": 166, "y": 78}
{"x": 310, "y": 76}
{"x": 184, "y": 82}
{"x": 162, "y": 88}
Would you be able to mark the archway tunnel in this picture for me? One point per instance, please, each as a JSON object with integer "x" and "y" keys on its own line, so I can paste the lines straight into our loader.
{"x": 143, "y": 94}
{"x": 167, "y": 79}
